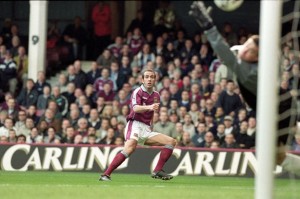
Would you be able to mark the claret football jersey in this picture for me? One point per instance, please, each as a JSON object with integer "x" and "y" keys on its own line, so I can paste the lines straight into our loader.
{"x": 140, "y": 96}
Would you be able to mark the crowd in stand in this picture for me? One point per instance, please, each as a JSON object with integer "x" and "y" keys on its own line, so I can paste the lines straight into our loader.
{"x": 201, "y": 105}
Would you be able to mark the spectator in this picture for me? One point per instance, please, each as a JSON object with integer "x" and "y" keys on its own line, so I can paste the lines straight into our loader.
{"x": 219, "y": 116}
{"x": 50, "y": 121}
{"x": 34, "y": 136}
{"x": 220, "y": 135}
{"x": 20, "y": 123}
{"x": 43, "y": 100}
{"x": 70, "y": 93}
{"x": 242, "y": 116}
{"x": 28, "y": 95}
{"x": 80, "y": 76}
{"x": 229, "y": 142}
{"x": 12, "y": 137}
{"x": 12, "y": 108}
{"x": 195, "y": 95}
{"x": 33, "y": 114}
{"x": 53, "y": 106}
{"x": 71, "y": 73}
{"x": 15, "y": 44}
{"x": 175, "y": 93}
{"x": 94, "y": 120}
{"x": 185, "y": 100}
{"x": 8, "y": 70}
{"x": 53, "y": 35}
{"x": 116, "y": 47}
{"x": 8, "y": 124}
{"x": 243, "y": 140}
{"x": 186, "y": 140}
{"x": 223, "y": 73}
{"x": 21, "y": 60}
{"x": 109, "y": 139}
{"x": 2, "y": 53}
{"x": 139, "y": 22}
{"x": 69, "y": 137}
{"x": 215, "y": 145}
{"x": 74, "y": 37}
{"x": 186, "y": 53}
{"x": 21, "y": 139}
{"x": 136, "y": 41}
{"x": 208, "y": 140}
{"x": 62, "y": 82}
{"x": 99, "y": 83}
{"x": 93, "y": 73}
{"x": 144, "y": 56}
{"x": 228, "y": 34}
{"x": 103, "y": 129}
{"x": 210, "y": 108}
{"x": 165, "y": 15}
{"x": 198, "y": 137}
{"x": 206, "y": 57}
{"x": 90, "y": 95}
{"x": 188, "y": 125}
{"x": 41, "y": 82}
{"x": 78, "y": 139}
{"x": 91, "y": 139}
{"x": 101, "y": 17}
{"x": 229, "y": 101}
{"x": 125, "y": 51}
{"x": 116, "y": 77}
{"x": 164, "y": 125}
{"x": 100, "y": 104}
{"x": 51, "y": 137}
{"x": 105, "y": 59}
{"x": 119, "y": 141}
{"x": 251, "y": 131}
{"x": 60, "y": 100}
{"x": 125, "y": 71}
{"x": 6, "y": 29}
{"x": 170, "y": 52}
{"x": 64, "y": 125}
{"x": 206, "y": 88}
{"x": 82, "y": 129}
{"x": 229, "y": 128}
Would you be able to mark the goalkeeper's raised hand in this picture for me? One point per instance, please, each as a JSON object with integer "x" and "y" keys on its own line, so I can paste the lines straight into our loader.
{"x": 201, "y": 15}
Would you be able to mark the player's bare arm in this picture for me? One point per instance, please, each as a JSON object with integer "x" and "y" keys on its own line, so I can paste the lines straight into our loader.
{"x": 142, "y": 109}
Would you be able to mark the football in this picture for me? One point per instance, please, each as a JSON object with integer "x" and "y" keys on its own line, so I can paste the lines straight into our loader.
{"x": 228, "y": 5}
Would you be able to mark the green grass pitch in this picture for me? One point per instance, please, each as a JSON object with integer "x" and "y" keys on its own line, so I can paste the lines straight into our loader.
{"x": 63, "y": 185}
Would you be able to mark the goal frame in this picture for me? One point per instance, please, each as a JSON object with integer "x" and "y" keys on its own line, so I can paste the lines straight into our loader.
{"x": 267, "y": 112}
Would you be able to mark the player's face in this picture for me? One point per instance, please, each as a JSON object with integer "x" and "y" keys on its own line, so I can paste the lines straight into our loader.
{"x": 149, "y": 80}
{"x": 249, "y": 51}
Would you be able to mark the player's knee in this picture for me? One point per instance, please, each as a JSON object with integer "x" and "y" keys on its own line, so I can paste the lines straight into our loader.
{"x": 129, "y": 150}
{"x": 173, "y": 142}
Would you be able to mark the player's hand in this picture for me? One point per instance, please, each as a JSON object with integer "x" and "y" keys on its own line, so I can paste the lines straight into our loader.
{"x": 201, "y": 14}
{"x": 154, "y": 107}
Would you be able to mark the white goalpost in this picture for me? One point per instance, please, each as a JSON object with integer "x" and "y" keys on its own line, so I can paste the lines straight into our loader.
{"x": 267, "y": 112}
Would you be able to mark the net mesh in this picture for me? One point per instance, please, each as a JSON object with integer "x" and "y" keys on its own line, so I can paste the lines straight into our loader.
{"x": 289, "y": 108}
{"x": 290, "y": 95}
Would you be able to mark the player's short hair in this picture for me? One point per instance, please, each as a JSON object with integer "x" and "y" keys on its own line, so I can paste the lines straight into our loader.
{"x": 148, "y": 70}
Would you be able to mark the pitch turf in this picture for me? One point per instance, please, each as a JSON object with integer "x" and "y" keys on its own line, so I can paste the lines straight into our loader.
{"x": 63, "y": 185}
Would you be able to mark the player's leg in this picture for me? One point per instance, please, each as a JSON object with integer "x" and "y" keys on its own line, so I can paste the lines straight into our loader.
{"x": 288, "y": 161}
{"x": 165, "y": 153}
{"x": 129, "y": 148}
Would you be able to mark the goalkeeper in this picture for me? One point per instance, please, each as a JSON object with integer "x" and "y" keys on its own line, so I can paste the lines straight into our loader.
{"x": 245, "y": 65}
